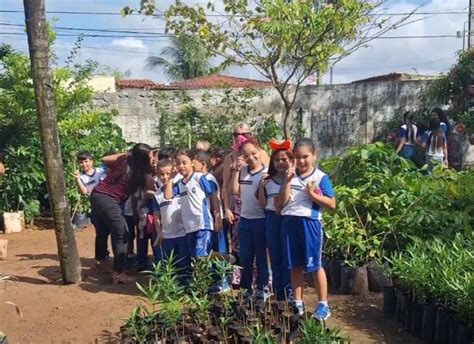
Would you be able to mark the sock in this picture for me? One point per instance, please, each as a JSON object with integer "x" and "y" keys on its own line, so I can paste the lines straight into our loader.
{"x": 298, "y": 303}
{"x": 325, "y": 303}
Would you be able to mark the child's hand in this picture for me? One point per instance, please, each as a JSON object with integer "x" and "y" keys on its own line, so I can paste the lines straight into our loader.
{"x": 290, "y": 173}
{"x": 265, "y": 179}
{"x": 311, "y": 187}
{"x": 77, "y": 174}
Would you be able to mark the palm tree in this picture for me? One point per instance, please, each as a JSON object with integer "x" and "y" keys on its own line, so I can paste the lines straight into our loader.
{"x": 183, "y": 59}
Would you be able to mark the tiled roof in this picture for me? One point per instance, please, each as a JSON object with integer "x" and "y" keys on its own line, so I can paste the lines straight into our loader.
{"x": 395, "y": 77}
{"x": 218, "y": 81}
{"x": 142, "y": 84}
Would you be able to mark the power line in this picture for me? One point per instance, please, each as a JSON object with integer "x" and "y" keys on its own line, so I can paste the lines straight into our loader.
{"x": 443, "y": 12}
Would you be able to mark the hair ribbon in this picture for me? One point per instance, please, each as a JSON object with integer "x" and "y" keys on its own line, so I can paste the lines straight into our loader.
{"x": 276, "y": 145}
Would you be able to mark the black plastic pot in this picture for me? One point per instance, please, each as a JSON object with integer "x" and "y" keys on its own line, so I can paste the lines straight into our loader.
{"x": 389, "y": 302}
{"x": 347, "y": 279}
{"x": 404, "y": 299}
{"x": 453, "y": 329}
{"x": 416, "y": 319}
{"x": 377, "y": 277}
{"x": 335, "y": 267}
{"x": 465, "y": 335}
{"x": 429, "y": 323}
{"x": 360, "y": 284}
{"x": 408, "y": 312}
{"x": 441, "y": 326}
{"x": 398, "y": 306}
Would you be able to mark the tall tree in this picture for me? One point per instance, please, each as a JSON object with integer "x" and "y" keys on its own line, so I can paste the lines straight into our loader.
{"x": 285, "y": 41}
{"x": 37, "y": 31}
{"x": 184, "y": 59}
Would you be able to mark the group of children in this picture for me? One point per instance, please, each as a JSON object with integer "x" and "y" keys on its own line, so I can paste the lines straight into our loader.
{"x": 280, "y": 215}
{"x": 434, "y": 141}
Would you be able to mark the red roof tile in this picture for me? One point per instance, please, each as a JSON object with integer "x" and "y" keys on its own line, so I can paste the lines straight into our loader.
{"x": 217, "y": 81}
{"x": 142, "y": 84}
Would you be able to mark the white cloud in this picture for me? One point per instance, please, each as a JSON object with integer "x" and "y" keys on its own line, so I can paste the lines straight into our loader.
{"x": 129, "y": 42}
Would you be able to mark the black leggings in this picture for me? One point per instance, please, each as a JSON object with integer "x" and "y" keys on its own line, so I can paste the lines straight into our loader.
{"x": 109, "y": 219}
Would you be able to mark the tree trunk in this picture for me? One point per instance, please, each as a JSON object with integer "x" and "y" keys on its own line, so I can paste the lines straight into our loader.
{"x": 287, "y": 122}
{"x": 37, "y": 32}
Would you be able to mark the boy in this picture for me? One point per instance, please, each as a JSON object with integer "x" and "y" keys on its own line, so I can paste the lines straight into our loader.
{"x": 170, "y": 233}
{"x": 88, "y": 176}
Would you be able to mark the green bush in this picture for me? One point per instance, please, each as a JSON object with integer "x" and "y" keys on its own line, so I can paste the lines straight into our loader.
{"x": 384, "y": 201}
{"x": 79, "y": 127}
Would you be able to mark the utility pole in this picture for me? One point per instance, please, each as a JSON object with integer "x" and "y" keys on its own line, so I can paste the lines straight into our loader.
{"x": 470, "y": 41}
{"x": 38, "y": 44}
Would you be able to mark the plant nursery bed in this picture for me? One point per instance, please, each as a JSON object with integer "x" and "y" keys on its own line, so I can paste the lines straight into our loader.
{"x": 94, "y": 310}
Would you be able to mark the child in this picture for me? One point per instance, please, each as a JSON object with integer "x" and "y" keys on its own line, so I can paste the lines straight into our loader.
{"x": 407, "y": 137}
{"x": 305, "y": 192}
{"x": 245, "y": 181}
{"x": 171, "y": 236}
{"x": 87, "y": 179}
{"x": 198, "y": 198}
{"x": 269, "y": 189}
{"x": 88, "y": 176}
{"x": 434, "y": 141}
{"x": 201, "y": 165}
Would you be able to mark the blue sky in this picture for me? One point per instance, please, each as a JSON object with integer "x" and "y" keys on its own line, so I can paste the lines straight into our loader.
{"x": 423, "y": 56}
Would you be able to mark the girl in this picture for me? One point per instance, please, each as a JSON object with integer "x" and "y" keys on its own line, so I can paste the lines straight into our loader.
{"x": 127, "y": 173}
{"x": 198, "y": 197}
{"x": 280, "y": 161}
{"x": 305, "y": 192}
{"x": 443, "y": 120}
{"x": 434, "y": 141}
{"x": 407, "y": 137}
{"x": 245, "y": 181}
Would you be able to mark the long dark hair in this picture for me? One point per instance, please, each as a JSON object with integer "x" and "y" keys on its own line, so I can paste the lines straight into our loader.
{"x": 436, "y": 138}
{"x": 139, "y": 163}
{"x": 305, "y": 142}
{"x": 442, "y": 117}
{"x": 408, "y": 121}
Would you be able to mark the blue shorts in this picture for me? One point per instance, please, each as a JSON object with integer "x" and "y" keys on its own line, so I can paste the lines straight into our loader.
{"x": 303, "y": 242}
{"x": 199, "y": 243}
{"x": 408, "y": 151}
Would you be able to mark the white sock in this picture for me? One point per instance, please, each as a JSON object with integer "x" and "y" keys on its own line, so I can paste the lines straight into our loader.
{"x": 324, "y": 303}
{"x": 298, "y": 303}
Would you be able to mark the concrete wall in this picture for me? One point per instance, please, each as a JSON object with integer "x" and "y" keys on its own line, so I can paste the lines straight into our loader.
{"x": 336, "y": 117}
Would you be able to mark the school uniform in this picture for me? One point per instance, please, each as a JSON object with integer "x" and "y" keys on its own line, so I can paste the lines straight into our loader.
{"x": 91, "y": 181}
{"x": 302, "y": 222}
{"x": 252, "y": 230}
{"x": 196, "y": 212}
{"x": 433, "y": 155}
{"x": 408, "y": 150}
{"x": 274, "y": 236}
{"x": 172, "y": 228}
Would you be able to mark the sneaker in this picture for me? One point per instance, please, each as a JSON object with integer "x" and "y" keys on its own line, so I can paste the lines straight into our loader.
{"x": 299, "y": 308}
{"x": 220, "y": 288}
{"x": 322, "y": 312}
{"x": 263, "y": 294}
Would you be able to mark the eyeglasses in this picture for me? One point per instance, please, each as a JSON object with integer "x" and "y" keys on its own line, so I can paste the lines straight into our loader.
{"x": 246, "y": 135}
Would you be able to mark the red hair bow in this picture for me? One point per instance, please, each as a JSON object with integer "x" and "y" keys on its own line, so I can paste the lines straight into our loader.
{"x": 276, "y": 145}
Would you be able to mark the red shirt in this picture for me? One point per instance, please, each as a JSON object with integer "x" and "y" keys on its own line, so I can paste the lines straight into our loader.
{"x": 116, "y": 182}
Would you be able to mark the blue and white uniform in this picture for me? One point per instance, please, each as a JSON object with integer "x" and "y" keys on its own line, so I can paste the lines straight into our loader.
{"x": 280, "y": 272}
{"x": 196, "y": 212}
{"x": 433, "y": 154}
{"x": 252, "y": 230}
{"x": 90, "y": 181}
{"x": 172, "y": 228}
{"x": 302, "y": 226}
{"x": 408, "y": 149}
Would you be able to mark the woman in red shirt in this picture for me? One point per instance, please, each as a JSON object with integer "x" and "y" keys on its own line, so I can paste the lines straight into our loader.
{"x": 127, "y": 172}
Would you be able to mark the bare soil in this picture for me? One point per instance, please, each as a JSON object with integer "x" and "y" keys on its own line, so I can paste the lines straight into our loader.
{"x": 94, "y": 310}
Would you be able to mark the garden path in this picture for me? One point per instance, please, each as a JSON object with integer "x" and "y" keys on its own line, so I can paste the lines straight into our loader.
{"x": 93, "y": 311}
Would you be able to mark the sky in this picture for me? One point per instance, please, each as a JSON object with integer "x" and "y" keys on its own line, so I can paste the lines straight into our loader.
{"x": 127, "y": 52}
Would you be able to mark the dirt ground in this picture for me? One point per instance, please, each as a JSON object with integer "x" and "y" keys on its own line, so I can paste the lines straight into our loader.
{"x": 93, "y": 311}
